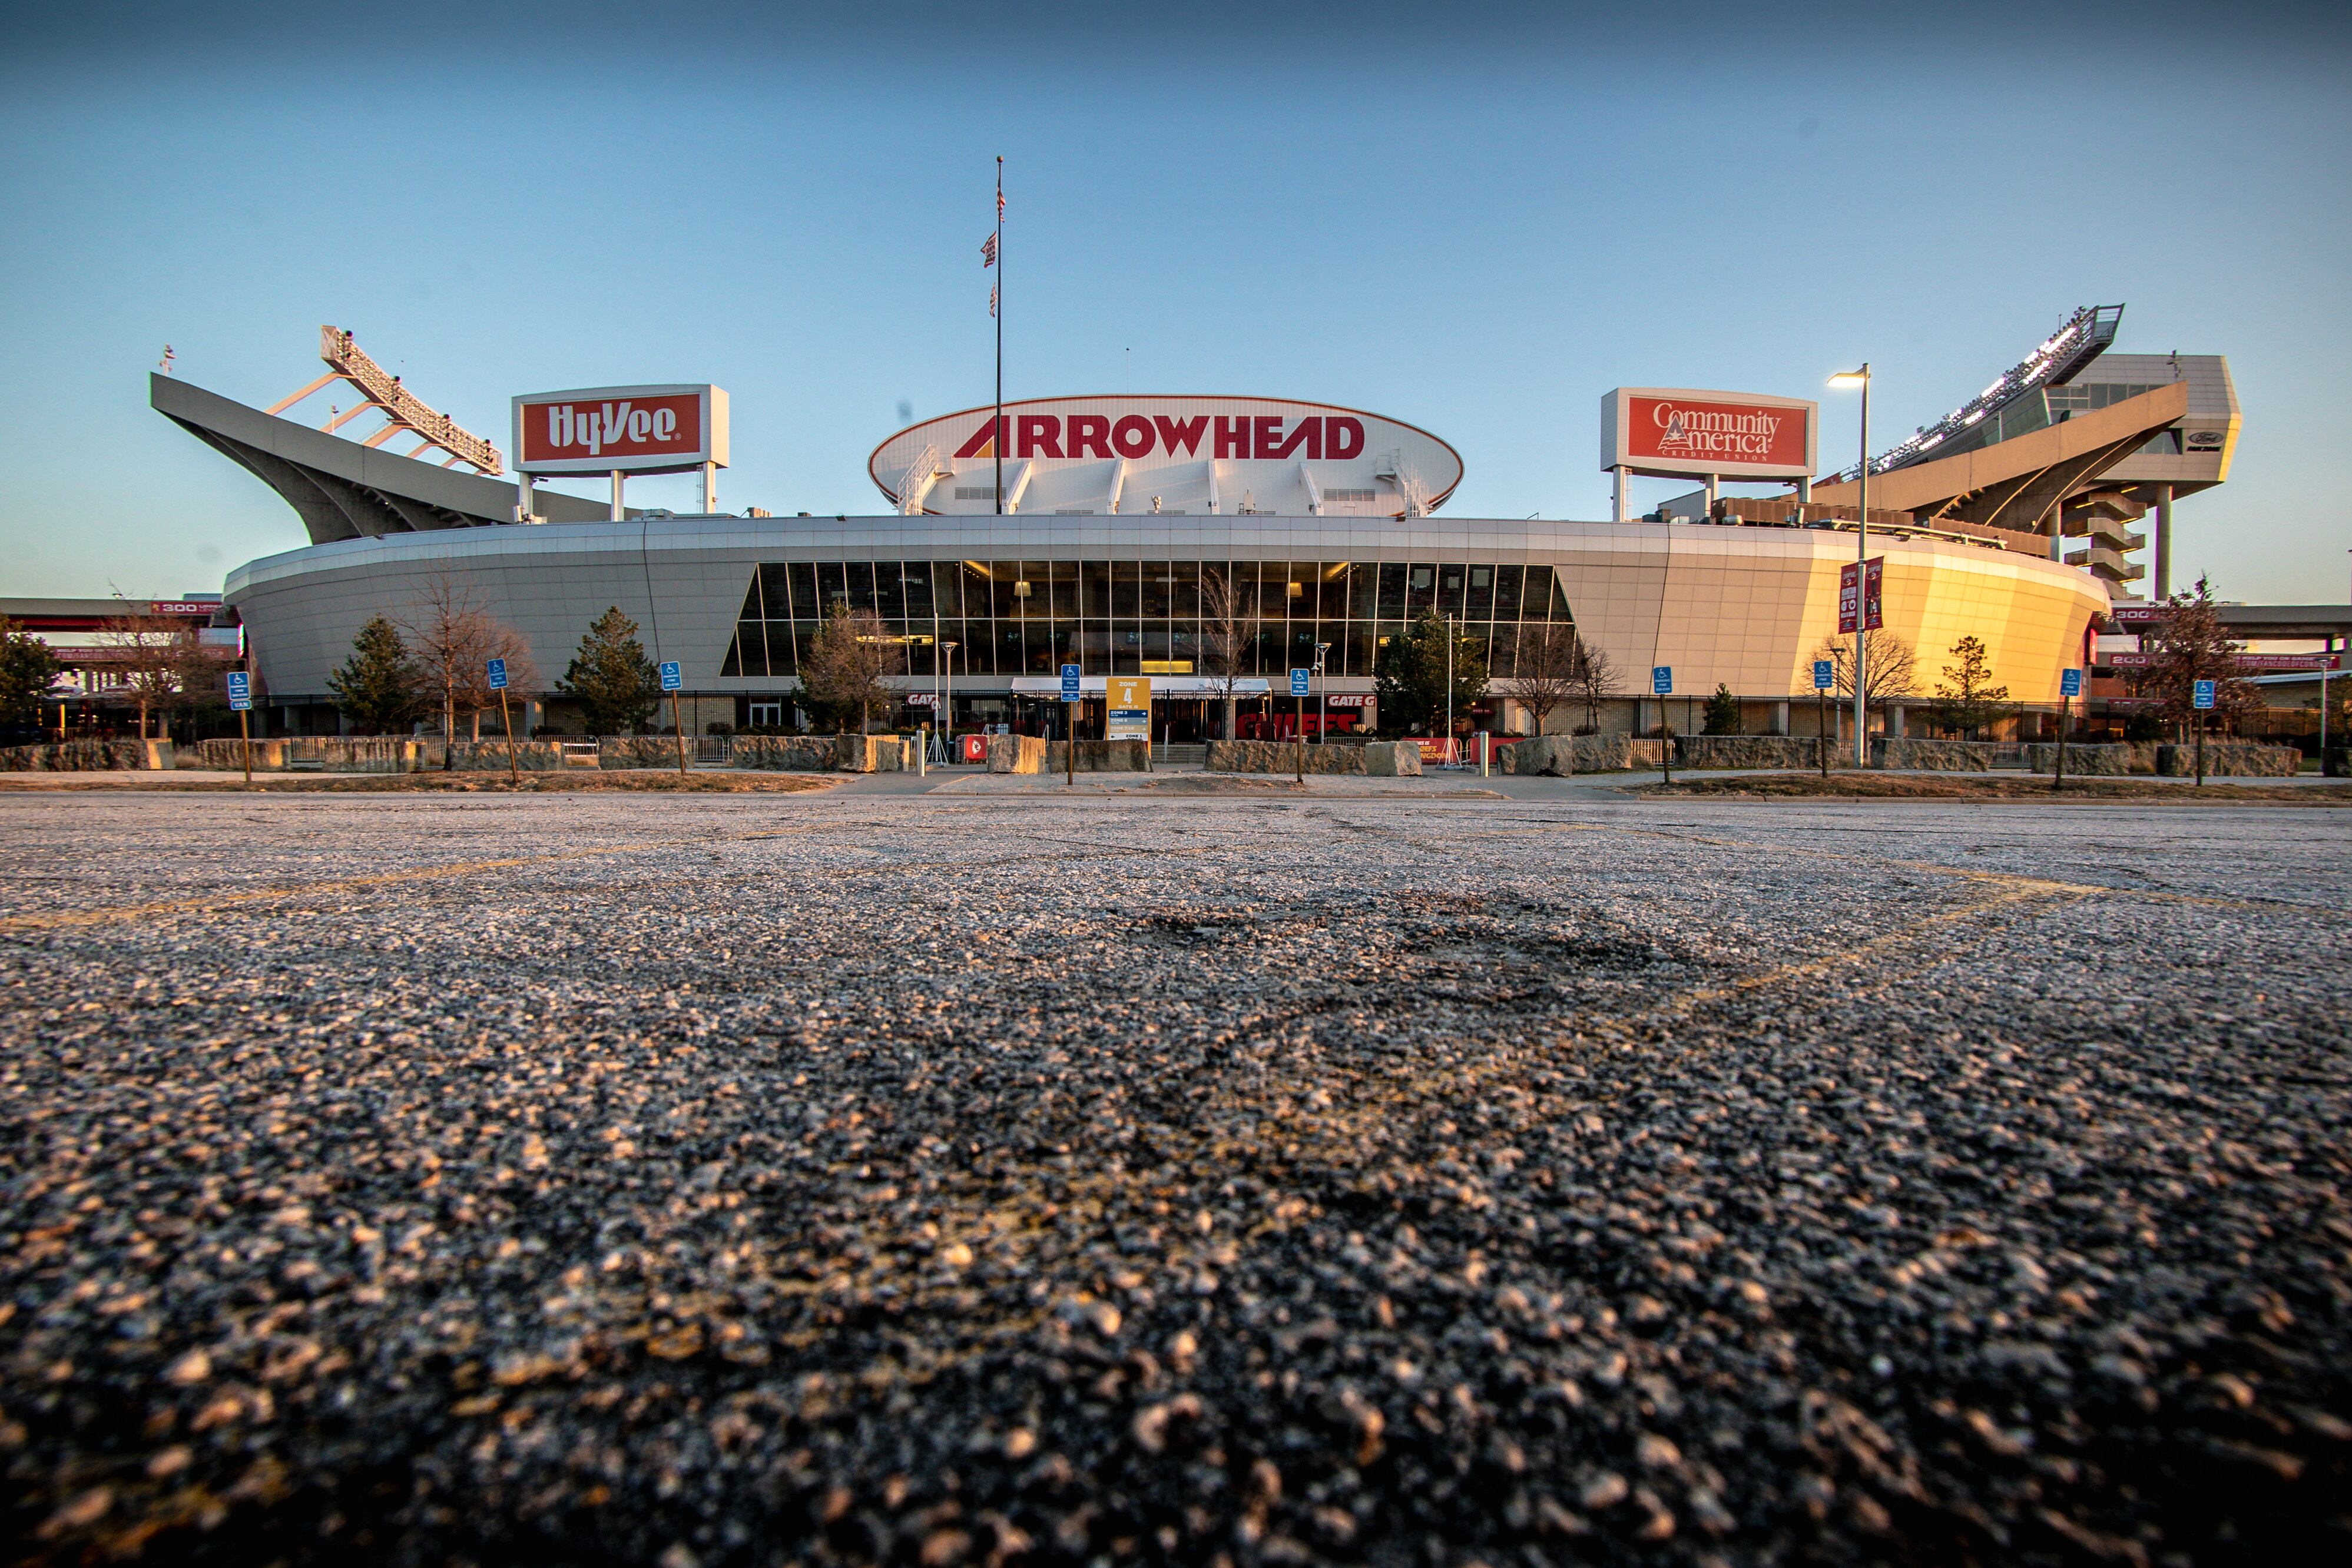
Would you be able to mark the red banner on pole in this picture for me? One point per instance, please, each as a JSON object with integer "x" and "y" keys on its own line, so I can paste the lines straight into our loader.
{"x": 1873, "y": 579}
{"x": 1849, "y": 598}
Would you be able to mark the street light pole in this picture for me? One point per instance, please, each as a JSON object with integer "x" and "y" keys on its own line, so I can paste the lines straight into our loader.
{"x": 1861, "y": 554}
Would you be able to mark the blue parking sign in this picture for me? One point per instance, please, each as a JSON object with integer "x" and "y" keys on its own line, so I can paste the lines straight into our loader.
{"x": 1069, "y": 683}
{"x": 240, "y": 686}
{"x": 2204, "y": 694}
{"x": 499, "y": 675}
{"x": 672, "y": 678}
{"x": 1298, "y": 679}
{"x": 2070, "y": 683}
{"x": 1824, "y": 674}
{"x": 1662, "y": 680}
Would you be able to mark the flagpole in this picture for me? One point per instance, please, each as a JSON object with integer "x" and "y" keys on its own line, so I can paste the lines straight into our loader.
{"x": 996, "y": 430}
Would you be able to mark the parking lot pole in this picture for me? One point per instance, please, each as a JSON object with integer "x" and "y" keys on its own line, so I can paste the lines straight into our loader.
{"x": 245, "y": 740}
{"x": 678, "y": 724}
{"x": 2065, "y": 722}
{"x": 1822, "y": 727}
{"x": 514, "y": 775}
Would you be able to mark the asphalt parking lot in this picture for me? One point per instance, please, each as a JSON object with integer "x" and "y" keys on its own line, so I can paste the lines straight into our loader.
{"x": 971, "y": 1176}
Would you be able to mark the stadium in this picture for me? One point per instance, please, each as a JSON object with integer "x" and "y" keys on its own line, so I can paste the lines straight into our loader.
{"x": 1084, "y": 529}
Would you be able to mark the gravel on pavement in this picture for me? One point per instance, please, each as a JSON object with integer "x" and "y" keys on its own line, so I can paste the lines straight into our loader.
{"x": 956, "y": 1179}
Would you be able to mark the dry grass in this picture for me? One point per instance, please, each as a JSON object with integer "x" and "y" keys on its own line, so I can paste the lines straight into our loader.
{"x": 640, "y": 780}
{"x": 1981, "y": 786}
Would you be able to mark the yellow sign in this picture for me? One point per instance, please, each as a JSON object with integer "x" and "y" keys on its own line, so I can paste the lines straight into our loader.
{"x": 1127, "y": 699}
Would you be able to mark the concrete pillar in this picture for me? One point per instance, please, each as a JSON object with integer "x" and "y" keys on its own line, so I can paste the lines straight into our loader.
{"x": 1780, "y": 718}
{"x": 619, "y": 511}
{"x": 1714, "y": 494}
{"x": 2163, "y": 541}
{"x": 1894, "y": 720}
{"x": 1620, "y": 487}
{"x": 1805, "y": 490}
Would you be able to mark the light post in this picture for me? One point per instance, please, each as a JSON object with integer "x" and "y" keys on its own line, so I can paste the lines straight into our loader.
{"x": 946, "y": 715}
{"x": 1322, "y": 695}
{"x": 1860, "y": 378}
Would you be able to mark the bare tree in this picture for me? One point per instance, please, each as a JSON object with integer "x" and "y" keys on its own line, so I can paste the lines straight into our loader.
{"x": 1592, "y": 681}
{"x": 453, "y": 636}
{"x": 1894, "y": 669}
{"x": 200, "y": 688}
{"x": 845, "y": 661}
{"x": 148, "y": 655}
{"x": 1227, "y": 637}
{"x": 1545, "y": 673}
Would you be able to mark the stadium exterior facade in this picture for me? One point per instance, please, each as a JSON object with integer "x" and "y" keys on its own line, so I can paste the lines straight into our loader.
{"x": 732, "y": 599}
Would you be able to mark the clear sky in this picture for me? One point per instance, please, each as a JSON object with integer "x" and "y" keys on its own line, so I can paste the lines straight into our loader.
{"x": 1474, "y": 217}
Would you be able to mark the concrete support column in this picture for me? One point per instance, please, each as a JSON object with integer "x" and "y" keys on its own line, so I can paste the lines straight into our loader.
{"x": 523, "y": 498}
{"x": 1894, "y": 720}
{"x": 1714, "y": 494}
{"x": 1805, "y": 490}
{"x": 619, "y": 512}
{"x": 1619, "y": 473}
{"x": 2163, "y": 541}
{"x": 709, "y": 488}
{"x": 1780, "y": 718}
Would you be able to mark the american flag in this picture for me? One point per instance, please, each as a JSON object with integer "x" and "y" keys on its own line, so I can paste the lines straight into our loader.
{"x": 988, "y": 251}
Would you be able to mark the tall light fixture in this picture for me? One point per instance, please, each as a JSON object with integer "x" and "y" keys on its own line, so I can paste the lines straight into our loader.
{"x": 1860, "y": 378}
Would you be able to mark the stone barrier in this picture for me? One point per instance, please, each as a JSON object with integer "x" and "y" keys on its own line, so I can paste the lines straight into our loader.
{"x": 490, "y": 756}
{"x": 1016, "y": 754}
{"x": 1777, "y": 751}
{"x": 77, "y": 756}
{"x": 1101, "y": 756}
{"x": 640, "y": 751}
{"x": 2104, "y": 760}
{"x": 2229, "y": 759}
{"x": 1284, "y": 756}
{"x": 787, "y": 753}
{"x": 1558, "y": 756}
{"x": 1930, "y": 755}
{"x": 319, "y": 753}
{"x": 1391, "y": 759}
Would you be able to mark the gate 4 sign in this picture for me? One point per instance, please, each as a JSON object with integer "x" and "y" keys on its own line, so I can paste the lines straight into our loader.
{"x": 672, "y": 677}
{"x": 1861, "y": 580}
{"x": 1128, "y": 701}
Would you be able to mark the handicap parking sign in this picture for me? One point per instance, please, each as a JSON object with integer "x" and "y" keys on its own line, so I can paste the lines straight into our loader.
{"x": 240, "y": 686}
{"x": 499, "y": 675}
{"x": 2204, "y": 695}
{"x": 1298, "y": 679}
{"x": 671, "y": 677}
{"x": 2070, "y": 683}
{"x": 1069, "y": 683}
{"x": 1824, "y": 674}
{"x": 1662, "y": 680}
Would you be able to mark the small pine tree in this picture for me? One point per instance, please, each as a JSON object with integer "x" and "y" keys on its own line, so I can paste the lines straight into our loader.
{"x": 1722, "y": 711}
{"x": 1969, "y": 701}
{"x": 1410, "y": 675}
{"x": 377, "y": 687}
{"x": 614, "y": 684}
{"x": 27, "y": 670}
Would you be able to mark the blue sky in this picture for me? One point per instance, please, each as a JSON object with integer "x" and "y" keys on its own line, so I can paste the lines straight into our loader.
{"x": 1477, "y": 218}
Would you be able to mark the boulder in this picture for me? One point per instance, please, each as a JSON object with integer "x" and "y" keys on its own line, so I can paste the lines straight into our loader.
{"x": 1930, "y": 755}
{"x": 1391, "y": 758}
{"x": 2100, "y": 761}
{"x": 1284, "y": 756}
{"x": 1016, "y": 754}
{"x": 2229, "y": 759}
{"x": 1101, "y": 756}
{"x": 1746, "y": 751}
{"x": 788, "y": 753}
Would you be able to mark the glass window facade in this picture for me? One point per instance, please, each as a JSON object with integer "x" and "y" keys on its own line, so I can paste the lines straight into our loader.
{"x": 1009, "y": 618}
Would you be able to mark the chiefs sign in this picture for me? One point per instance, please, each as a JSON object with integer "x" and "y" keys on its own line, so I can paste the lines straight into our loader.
{"x": 1674, "y": 432}
{"x": 626, "y": 430}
